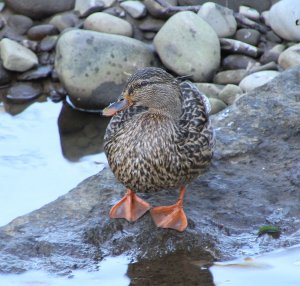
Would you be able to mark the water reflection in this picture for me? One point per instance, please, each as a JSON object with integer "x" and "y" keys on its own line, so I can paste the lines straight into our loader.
{"x": 33, "y": 171}
{"x": 81, "y": 133}
{"x": 175, "y": 269}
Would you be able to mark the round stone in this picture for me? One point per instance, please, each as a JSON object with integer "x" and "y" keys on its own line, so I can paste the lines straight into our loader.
{"x": 19, "y": 23}
{"x": 38, "y": 9}
{"x": 134, "y": 8}
{"x": 39, "y": 32}
{"x": 230, "y": 93}
{"x": 5, "y": 75}
{"x": 249, "y": 12}
{"x": 155, "y": 9}
{"x": 187, "y": 45}
{"x": 48, "y": 43}
{"x": 16, "y": 57}
{"x": 238, "y": 62}
{"x": 106, "y": 23}
{"x": 94, "y": 67}
{"x": 283, "y": 16}
{"x": 272, "y": 54}
{"x": 87, "y": 7}
{"x": 257, "y": 79}
{"x": 23, "y": 92}
{"x": 249, "y": 36}
{"x": 216, "y": 104}
{"x": 290, "y": 57}
{"x": 230, "y": 76}
{"x": 64, "y": 21}
{"x": 209, "y": 89}
{"x": 220, "y": 18}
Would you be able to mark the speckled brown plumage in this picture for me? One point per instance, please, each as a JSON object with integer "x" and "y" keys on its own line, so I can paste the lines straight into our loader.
{"x": 162, "y": 141}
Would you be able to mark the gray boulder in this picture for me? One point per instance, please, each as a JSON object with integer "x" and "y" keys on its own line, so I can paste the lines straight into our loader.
{"x": 38, "y": 9}
{"x": 187, "y": 45}
{"x": 254, "y": 180}
{"x": 93, "y": 66}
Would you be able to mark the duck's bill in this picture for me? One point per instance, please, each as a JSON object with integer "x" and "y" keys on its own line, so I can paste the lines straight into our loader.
{"x": 115, "y": 107}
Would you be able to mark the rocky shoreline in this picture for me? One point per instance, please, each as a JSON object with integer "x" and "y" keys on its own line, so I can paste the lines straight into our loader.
{"x": 87, "y": 49}
{"x": 62, "y": 48}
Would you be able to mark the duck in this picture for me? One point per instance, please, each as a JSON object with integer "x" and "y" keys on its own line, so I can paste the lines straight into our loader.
{"x": 159, "y": 137}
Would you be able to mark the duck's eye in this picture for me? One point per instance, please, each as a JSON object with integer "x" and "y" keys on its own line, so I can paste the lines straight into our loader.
{"x": 130, "y": 90}
{"x": 144, "y": 83}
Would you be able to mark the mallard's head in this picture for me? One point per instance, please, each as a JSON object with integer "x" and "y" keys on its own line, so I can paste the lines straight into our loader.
{"x": 150, "y": 87}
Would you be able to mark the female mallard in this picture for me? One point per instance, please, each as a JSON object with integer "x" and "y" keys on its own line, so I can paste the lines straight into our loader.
{"x": 160, "y": 137}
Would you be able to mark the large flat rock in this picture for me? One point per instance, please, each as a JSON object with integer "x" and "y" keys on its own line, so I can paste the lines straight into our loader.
{"x": 254, "y": 180}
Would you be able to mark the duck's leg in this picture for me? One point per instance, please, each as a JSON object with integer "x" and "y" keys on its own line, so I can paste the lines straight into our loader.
{"x": 171, "y": 216}
{"x": 130, "y": 207}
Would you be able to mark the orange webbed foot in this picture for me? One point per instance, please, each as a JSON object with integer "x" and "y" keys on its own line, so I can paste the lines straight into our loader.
{"x": 171, "y": 216}
{"x": 130, "y": 207}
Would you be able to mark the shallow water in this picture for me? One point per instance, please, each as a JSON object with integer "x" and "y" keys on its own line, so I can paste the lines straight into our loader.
{"x": 33, "y": 170}
{"x": 279, "y": 268}
{"x": 47, "y": 150}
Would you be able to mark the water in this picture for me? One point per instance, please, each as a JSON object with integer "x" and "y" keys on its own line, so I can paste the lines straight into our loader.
{"x": 33, "y": 170}
{"x": 47, "y": 150}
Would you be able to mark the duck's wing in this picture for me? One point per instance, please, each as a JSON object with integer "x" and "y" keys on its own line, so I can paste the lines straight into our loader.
{"x": 118, "y": 121}
{"x": 195, "y": 128}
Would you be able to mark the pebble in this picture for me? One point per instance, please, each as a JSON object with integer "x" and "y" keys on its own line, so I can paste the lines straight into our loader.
{"x": 216, "y": 104}
{"x": 47, "y": 44}
{"x": 115, "y": 11}
{"x": 39, "y": 9}
{"x": 230, "y": 76}
{"x": 108, "y": 3}
{"x": 248, "y": 36}
{"x": 272, "y": 54}
{"x": 271, "y": 36}
{"x": 230, "y": 93}
{"x": 155, "y": 9}
{"x": 238, "y": 47}
{"x": 151, "y": 25}
{"x": 64, "y": 21}
{"x": 95, "y": 66}
{"x": 149, "y": 35}
{"x": 23, "y": 92}
{"x": 220, "y": 18}
{"x": 283, "y": 16}
{"x": 187, "y": 45}
{"x": 290, "y": 57}
{"x": 19, "y": 23}
{"x": 134, "y": 8}
{"x": 87, "y": 7}
{"x": 37, "y": 73}
{"x": 257, "y": 79}
{"x": 16, "y": 57}
{"x": 210, "y": 89}
{"x": 249, "y": 12}
{"x": 105, "y": 23}
{"x": 238, "y": 62}
{"x": 266, "y": 17}
{"x": 5, "y": 75}
{"x": 39, "y": 32}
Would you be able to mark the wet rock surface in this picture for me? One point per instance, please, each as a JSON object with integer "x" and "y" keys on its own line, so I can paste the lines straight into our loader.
{"x": 253, "y": 181}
